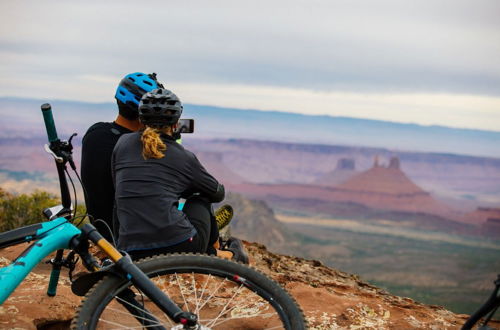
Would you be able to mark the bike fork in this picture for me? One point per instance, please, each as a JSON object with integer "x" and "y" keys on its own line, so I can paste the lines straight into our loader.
{"x": 140, "y": 280}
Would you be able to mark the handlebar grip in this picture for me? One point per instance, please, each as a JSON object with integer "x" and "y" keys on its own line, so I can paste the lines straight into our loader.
{"x": 54, "y": 279}
{"x": 49, "y": 122}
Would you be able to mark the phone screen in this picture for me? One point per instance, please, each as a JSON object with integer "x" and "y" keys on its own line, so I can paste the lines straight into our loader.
{"x": 185, "y": 126}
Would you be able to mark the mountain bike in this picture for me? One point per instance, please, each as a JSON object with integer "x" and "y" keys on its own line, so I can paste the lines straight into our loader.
{"x": 486, "y": 311}
{"x": 178, "y": 291}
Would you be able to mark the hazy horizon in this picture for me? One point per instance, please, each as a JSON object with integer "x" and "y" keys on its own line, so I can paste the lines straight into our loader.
{"x": 112, "y": 105}
{"x": 426, "y": 62}
{"x": 22, "y": 118}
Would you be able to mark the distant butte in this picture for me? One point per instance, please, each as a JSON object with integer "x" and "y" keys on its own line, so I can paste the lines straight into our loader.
{"x": 388, "y": 188}
{"x": 380, "y": 187}
{"x": 345, "y": 169}
{"x": 488, "y": 218}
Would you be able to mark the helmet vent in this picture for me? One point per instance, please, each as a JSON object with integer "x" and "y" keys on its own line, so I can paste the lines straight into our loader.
{"x": 133, "y": 86}
{"x": 160, "y": 107}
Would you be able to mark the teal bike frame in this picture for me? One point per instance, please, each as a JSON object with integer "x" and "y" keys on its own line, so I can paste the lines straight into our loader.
{"x": 47, "y": 237}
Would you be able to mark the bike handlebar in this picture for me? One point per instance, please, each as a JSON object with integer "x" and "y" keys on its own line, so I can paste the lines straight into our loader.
{"x": 61, "y": 150}
{"x": 49, "y": 122}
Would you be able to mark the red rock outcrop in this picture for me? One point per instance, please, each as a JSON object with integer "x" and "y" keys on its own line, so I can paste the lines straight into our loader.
{"x": 388, "y": 188}
{"x": 379, "y": 188}
{"x": 481, "y": 215}
{"x": 344, "y": 170}
{"x": 331, "y": 299}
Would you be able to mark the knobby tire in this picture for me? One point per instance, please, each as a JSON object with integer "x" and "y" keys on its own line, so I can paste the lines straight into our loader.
{"x": 224, "y": 295}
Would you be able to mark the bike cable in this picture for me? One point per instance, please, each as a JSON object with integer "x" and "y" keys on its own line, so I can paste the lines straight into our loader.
{"x": 86, "y": 213}
{"x": 74, "y": 193}
{"x": 108, "y": 228}
{"x": 490, "y": 316}
{"x": 75, "y": 217}
{"x": 85, "y": 195}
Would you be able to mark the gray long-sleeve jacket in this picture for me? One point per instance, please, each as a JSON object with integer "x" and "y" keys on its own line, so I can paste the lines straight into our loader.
{"x": 147, "y": 193}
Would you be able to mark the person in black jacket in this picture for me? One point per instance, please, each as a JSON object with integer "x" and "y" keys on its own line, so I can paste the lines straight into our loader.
{"x": 151, "y": 172}
{"x": 98, "y": 144}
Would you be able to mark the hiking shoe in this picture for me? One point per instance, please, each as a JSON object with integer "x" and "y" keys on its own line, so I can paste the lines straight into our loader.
{"x": 223, "y": 215}
{"x": 235, "y": 245}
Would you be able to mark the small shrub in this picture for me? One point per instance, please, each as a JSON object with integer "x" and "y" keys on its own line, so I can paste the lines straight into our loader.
{"x": 25, "y": 209}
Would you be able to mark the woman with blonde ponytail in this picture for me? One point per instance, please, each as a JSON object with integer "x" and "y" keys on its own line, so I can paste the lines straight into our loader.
{"x": 151, "y": 172}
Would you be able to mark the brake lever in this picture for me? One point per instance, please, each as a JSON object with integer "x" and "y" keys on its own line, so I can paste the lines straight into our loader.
{"x": 56, "y": 157}
{"x": 69, "y": 151}
{"x": 71, "y": 138}
{"x": 65, "y": 148}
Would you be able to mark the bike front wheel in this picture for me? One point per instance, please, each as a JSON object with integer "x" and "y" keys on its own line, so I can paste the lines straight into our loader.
{"x": 223, "y": 294}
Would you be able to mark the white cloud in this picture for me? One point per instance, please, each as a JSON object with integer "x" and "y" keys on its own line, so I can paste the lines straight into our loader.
{"x": 446, "y": 109}
{"x": 454, "y": 110}
{"x": 429, "y": 62}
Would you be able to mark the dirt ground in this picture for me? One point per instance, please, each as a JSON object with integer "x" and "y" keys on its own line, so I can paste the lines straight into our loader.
{"x": 329, "y": 298}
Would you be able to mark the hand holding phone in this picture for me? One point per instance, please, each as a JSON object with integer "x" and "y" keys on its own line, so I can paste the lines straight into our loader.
{"x": 185, "y": 126}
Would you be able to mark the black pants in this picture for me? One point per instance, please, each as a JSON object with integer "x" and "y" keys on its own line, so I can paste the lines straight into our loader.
{"x": 199, "y": 213}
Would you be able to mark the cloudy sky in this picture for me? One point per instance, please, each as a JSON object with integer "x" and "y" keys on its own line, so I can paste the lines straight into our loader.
{"x": 428, "y": 61}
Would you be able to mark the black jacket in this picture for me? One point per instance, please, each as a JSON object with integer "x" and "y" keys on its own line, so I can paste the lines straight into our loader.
{"x": 97, "y": 147}
{"x": 148, "y": 191}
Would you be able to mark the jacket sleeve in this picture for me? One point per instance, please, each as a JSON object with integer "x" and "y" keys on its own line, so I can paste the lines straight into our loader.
{"x": 204, "y": 183}
{"x": 113, "y": 158}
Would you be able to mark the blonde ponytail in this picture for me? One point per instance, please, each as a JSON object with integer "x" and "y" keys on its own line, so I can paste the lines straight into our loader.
{"x": 152, "y": 145}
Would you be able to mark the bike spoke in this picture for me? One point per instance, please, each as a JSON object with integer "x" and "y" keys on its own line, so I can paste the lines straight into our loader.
{"x": 164, "y": 289}
{"x": 202, "y": 293}
{"x": 182, "y": 292}
{"x": 268, "y": 315}
{"x": 213, "y": 293}
{"x": 133, "y": 306}
{"x": 145, "y": 311}
{"x": 128, "y": 314}
{"x": 195, "y": 293}
{"x": 242, "y": 317}
{"x": 128, "y": 327}
{"x": 225, "y": 306}
{"x": 113, "y": 323}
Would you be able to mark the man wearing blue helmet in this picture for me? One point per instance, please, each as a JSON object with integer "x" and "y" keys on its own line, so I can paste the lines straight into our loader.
{"x": 99, "y": 142}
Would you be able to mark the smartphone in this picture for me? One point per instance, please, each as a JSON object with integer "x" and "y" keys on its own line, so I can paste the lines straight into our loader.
{"x": 185, "y": 126}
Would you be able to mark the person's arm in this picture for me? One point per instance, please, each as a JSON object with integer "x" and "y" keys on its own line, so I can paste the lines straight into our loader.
{"x": 205, "y": 184}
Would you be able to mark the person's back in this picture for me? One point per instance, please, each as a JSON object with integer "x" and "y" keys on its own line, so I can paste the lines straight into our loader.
{"x": 148, "y": 191}
{"x": 97, "y": 147}
{"x": 98, "y": 144}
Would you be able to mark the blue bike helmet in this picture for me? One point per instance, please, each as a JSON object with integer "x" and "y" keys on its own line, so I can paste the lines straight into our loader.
{"x": 130, "y": 90}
